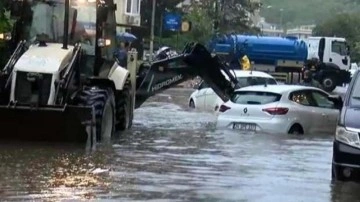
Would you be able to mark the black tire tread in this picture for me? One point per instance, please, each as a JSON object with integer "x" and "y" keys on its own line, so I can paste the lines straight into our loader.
{"x": 122, "y": 104}
{"x": 96, "y": 97}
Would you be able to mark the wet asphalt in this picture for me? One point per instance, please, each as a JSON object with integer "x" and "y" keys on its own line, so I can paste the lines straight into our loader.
{"x": 174, "y": 153}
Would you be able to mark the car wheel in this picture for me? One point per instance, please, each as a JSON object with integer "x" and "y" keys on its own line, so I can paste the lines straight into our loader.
{"x": 336, "y": 173}
{"x": 192, "y": 103}
{"x": 296, "y": 129}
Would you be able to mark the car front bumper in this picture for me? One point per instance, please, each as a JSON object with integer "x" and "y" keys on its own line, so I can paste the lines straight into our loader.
{"x": 273, "y": 125}
{"x": 346, "y": 162}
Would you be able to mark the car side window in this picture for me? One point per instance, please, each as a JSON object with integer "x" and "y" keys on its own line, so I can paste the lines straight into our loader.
{"x": 203, "y": 85}
{"x": 322, "y": 100}
{"x": 301, "y": 97}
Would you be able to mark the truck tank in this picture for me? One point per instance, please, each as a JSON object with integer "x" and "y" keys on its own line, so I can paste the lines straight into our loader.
{"x": 260, "y": 49}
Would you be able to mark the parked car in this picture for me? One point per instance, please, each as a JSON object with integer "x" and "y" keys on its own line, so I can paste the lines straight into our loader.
{"x": 280, "y": 109}
{"x": 204, "y": 98}
{"x": 346, "y": 146}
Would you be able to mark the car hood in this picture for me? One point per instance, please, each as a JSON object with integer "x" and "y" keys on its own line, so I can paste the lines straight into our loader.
{"x": 351, "y": 118}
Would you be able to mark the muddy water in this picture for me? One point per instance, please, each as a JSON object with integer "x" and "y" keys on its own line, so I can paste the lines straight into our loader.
{"x": 175, "y": 154}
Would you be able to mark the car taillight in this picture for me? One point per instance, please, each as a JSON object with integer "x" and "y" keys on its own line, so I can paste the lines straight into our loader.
{"x": 276, "y": 110}
{"x": 223, "y": 108}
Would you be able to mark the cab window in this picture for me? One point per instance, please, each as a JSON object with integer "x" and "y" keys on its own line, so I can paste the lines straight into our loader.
{"x": 339, "y": 47}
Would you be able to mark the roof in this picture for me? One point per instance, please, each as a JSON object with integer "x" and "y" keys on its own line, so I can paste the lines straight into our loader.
{"x": 280, "y": 89}
{"x": 48, "y": 59}
{"x": 244, "y": 73}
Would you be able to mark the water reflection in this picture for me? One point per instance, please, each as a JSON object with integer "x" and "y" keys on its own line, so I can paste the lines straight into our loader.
{"x": 345, "y": 192}
{"x": 31, "y": 171}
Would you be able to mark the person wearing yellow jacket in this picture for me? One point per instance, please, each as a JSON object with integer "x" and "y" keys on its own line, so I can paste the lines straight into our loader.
{"x": 245, "y": 63}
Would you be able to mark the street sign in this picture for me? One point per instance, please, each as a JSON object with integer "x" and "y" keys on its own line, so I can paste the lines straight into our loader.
{"x": 172, "y": 21}
{"x": 186, "y": 26}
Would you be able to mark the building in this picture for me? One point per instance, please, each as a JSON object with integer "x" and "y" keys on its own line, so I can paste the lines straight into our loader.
{"x": 302, "y": 32}
{"x": 268, "y": 29}
{"x": 128, "y": 14}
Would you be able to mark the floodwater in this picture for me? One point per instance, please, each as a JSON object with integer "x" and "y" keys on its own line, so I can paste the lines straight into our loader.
{"x": 175, "y": 154}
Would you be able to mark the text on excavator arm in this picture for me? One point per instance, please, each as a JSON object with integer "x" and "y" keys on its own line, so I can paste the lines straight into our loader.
{"x": 194, "y": 61}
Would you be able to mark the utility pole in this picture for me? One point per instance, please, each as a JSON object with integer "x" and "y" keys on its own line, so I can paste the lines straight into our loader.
{"x": 216, "y": 17}
{"x": 152, "y": 29}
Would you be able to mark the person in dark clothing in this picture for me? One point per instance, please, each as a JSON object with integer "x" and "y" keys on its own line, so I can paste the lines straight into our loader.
{"x": 121, "y": 53}
{"x": 309, "y": 80}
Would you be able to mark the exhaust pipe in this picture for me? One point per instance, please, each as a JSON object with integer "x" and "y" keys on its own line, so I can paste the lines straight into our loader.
{"x": 66, "y": 24}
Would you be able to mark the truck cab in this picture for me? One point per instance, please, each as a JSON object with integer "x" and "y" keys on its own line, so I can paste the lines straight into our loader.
{"x": 333, "y": 55}
{"x": 330, "y": 50}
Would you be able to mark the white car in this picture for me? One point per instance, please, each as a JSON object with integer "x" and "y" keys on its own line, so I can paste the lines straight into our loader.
{"x": 204, "y": 98}
{"x": 280, "y": 109}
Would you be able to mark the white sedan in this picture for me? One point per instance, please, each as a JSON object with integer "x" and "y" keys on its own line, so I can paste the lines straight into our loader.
{"x": 204, "y": 98}
{"x": 280, "y": 109}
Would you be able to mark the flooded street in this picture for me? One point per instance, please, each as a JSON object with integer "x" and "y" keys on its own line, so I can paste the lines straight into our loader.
{"x": 175, "y": 154}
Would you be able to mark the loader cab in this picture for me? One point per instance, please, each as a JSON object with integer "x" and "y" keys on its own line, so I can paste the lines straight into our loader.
{"x": 91, "y": 23}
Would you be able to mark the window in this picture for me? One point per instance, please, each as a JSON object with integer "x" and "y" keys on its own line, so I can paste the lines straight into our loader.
{"x": 322, "y": 100}
{"x": 251, "y": 81}
{"x": 301, "y": 97}
{"x": 133, "y": 7}
{"x": 339, "y": 47}
{"x": 255, "y": 97}
{"x": 203, "y": 85}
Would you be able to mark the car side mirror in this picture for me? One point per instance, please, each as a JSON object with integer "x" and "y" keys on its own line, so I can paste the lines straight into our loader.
{"x": 337, "y": 100}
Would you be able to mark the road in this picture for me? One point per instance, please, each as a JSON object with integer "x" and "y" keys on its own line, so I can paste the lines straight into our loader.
{"x": 175, "y": 154}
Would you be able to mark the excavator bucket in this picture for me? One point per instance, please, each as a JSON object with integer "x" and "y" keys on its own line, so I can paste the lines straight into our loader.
{"x": 56, "y": 124}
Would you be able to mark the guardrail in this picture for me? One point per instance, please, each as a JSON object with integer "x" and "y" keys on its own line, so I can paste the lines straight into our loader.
{"x": 281, "y": 76}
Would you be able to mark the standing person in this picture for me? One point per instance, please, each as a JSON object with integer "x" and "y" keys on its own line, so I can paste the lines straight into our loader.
{"x": 309, "y": 80}
{"x": 121, "y": 53}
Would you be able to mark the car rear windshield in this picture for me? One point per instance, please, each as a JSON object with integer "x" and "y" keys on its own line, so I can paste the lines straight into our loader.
{"x": 254, "y": 80}
{"x": 254, "y": 97}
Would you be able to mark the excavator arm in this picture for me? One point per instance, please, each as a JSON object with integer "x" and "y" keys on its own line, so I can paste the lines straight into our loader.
{"x": 194, "y": 61}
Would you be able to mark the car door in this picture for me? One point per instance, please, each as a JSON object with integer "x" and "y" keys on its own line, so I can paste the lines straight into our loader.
{"x": 210, "y": 99}
{"x": 200, "y": 95}
{"x": 306, "y": 111}
{"x": 327, "y": 110}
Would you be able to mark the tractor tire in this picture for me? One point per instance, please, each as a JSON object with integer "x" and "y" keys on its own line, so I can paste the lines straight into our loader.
{"x": 103, "y": 101}
{"x": 124, "y": 106}
{"x": 329, "y": 83}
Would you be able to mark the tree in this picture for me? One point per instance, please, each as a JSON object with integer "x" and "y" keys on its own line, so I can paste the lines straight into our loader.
{"x": 161, "y": 7}
{"x": 232, "y": 15}
{"x": 342, "y": 25}
{"x": 296, "y": 12}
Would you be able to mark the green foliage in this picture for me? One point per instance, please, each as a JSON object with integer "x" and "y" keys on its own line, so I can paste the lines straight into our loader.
{"x": 231, "y": 14}
{"x": 296, "y": 12}
{"x": 343, "y": 25}
{"x": 231, "y": 17}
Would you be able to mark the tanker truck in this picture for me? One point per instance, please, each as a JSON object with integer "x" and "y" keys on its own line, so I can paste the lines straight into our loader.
{"x": 288, "y": 55}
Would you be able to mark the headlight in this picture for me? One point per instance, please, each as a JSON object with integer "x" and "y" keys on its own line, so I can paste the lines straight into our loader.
{"x": 347, "y": 137}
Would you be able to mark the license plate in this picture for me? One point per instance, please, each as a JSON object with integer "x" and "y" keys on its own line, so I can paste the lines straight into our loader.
{"x": 245, "y": 126}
